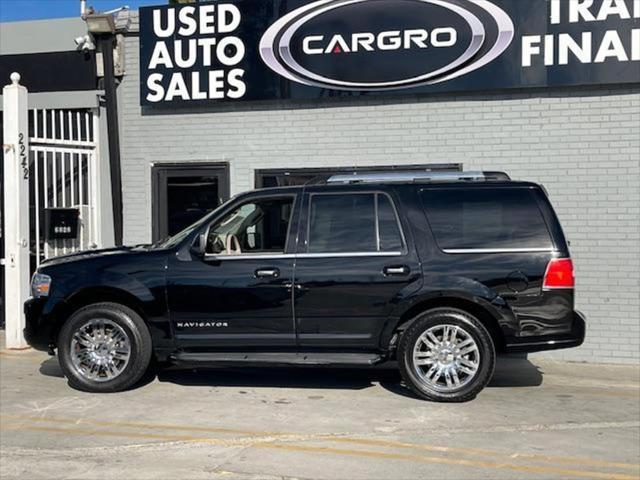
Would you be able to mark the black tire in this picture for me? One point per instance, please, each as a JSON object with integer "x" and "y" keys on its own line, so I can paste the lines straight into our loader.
{"x": 139, "y": 338}
{"x": 473, "y": 327}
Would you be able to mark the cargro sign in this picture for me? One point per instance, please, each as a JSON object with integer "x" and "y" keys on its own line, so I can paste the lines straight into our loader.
{"x": 294, "y": 49}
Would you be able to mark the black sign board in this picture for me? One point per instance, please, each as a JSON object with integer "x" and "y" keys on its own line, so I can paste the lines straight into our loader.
{"x": 61, "y": 223}
{"x": 52, "y": 71}
{"x": 295, "y": 49}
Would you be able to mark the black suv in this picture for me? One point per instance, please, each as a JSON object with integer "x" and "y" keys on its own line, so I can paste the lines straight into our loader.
{"x": 438, "y": 271}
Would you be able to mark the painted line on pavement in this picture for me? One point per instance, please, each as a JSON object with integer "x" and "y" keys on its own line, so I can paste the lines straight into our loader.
{"x": 459, "y": 462}
{"x": 155, "y": 426}
{"x": 268, "y": 443}
{"x": 347, "y": 452}
{"x": 343, "y": 438}
{"x": 492, "y": 453}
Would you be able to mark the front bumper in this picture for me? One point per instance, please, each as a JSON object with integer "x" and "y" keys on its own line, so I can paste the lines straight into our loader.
{"x": 38, "y": 329}
{"x": 574, "y": 338}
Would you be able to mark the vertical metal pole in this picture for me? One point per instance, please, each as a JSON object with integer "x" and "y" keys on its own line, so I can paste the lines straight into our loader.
{"x": 78, "y": 129}
{"x": 45, "y": 196}
{"x": 37, "y": 154}
{"x": 44, "y": 124}
{"x": 70, "y": 126}
{"x": 63, "y": 177}
{"x": 36, "y": 126}
{"x": 90, "y": 196}
{"x": 53, "y": 126}
{"x": 54, "y": 179}
{"x": 111, "y": 101}
{"x": 96, "y": 233}
{"x": 86, "y": 126}
{"x": 81, "y": 201}
{"x": 73, "y": 184}
{"x": 63, "y": 182}
{"x": 16, "y": 209}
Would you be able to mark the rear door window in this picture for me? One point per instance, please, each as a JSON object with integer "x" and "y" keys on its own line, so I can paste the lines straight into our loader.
{"x": 483, "y": 218}
{"x": 349, "y": 223}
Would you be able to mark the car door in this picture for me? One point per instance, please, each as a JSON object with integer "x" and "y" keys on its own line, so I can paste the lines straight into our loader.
{"x": 355, "y": 263}
{"x": 238, "y": 294}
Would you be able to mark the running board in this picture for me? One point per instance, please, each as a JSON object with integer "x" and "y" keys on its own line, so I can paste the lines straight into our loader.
{"x": 278, "y": 358}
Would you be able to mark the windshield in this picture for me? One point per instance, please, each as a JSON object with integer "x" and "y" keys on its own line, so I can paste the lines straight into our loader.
{"x": 175, "y": 240}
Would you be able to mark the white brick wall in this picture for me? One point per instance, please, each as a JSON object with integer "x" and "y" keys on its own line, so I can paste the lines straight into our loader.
{"x": 582, "y": 144}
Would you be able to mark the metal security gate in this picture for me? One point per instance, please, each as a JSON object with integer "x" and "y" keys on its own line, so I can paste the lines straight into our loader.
{"x": 63, "y": 155}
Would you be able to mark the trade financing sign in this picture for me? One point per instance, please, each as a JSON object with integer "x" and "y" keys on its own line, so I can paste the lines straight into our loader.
{"x": 233, "y": 50}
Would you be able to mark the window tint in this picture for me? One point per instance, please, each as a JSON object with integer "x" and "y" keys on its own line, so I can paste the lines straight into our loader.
{"x": 255, "y": 227}
{"x": 344, "y": 223}
{"x": 390, "y": 237}
{"x": 485, "y": 218}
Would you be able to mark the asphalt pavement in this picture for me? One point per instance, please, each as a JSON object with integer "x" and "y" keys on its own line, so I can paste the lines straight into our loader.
{"x": 537, "y": 419}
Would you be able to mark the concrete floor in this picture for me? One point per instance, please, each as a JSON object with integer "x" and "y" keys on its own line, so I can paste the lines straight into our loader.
{"x": 540, "y": 420}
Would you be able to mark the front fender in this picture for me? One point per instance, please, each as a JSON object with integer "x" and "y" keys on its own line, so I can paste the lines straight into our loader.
{"x": 129, "y": 283}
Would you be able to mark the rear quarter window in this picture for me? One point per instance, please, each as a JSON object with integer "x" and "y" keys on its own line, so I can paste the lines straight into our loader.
{"x": 485, "y": 218}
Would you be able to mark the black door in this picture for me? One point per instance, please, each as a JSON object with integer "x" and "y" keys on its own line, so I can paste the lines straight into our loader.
{"x": 239, "y": 293}
{"x": 356, "y": 264}
{"x": 182, "y": 194}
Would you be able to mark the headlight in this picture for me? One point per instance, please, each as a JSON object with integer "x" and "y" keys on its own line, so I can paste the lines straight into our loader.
{"x": 40, "y": 285}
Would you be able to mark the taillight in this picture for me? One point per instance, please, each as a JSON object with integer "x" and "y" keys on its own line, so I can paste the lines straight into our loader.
{"x": 559, "y": 274}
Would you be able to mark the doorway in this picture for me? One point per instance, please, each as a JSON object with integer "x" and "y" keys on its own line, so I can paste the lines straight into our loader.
{"x": 184, "y": 193}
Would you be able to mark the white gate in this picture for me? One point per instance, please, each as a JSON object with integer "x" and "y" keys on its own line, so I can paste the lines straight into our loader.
{"x": 63, "y": 145}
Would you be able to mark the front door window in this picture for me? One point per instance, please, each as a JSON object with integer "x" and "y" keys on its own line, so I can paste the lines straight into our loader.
{"x": 256, "y": 227}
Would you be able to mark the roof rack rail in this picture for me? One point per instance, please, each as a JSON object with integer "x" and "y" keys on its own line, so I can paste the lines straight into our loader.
{"x": 412, "y": 176}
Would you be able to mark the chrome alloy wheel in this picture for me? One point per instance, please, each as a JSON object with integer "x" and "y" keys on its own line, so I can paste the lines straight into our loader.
{"x": 100, "y": 350}
{"x": 446, "y": 358}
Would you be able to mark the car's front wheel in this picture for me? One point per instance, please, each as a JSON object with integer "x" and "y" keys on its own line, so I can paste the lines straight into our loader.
{"x": 104, "y": 347}
{"x": 446, "y": 355}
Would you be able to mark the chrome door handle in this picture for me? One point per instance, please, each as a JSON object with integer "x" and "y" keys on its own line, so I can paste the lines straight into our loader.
{"x": 267, "y": 272}
{"x": 396, "y": 270}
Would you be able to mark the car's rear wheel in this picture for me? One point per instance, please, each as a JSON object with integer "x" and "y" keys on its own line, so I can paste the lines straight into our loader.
{"x": 446, "y": 355}
{"x": 104, "y": 347}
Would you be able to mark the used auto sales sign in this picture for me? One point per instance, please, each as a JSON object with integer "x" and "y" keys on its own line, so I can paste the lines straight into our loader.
{"x": 294, "y": 49}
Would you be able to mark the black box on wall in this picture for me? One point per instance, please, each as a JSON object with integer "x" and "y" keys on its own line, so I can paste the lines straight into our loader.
{"x": 61, "y": 223}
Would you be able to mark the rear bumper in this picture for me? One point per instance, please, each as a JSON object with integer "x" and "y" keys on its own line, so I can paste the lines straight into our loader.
{"x": 38, "y": 330}
{"x": 574, "y": 338}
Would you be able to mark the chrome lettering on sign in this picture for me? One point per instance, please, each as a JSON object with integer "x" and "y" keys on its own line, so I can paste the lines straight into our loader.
{"x": 202, "y": 324}
{"x": 358, "y": 45}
